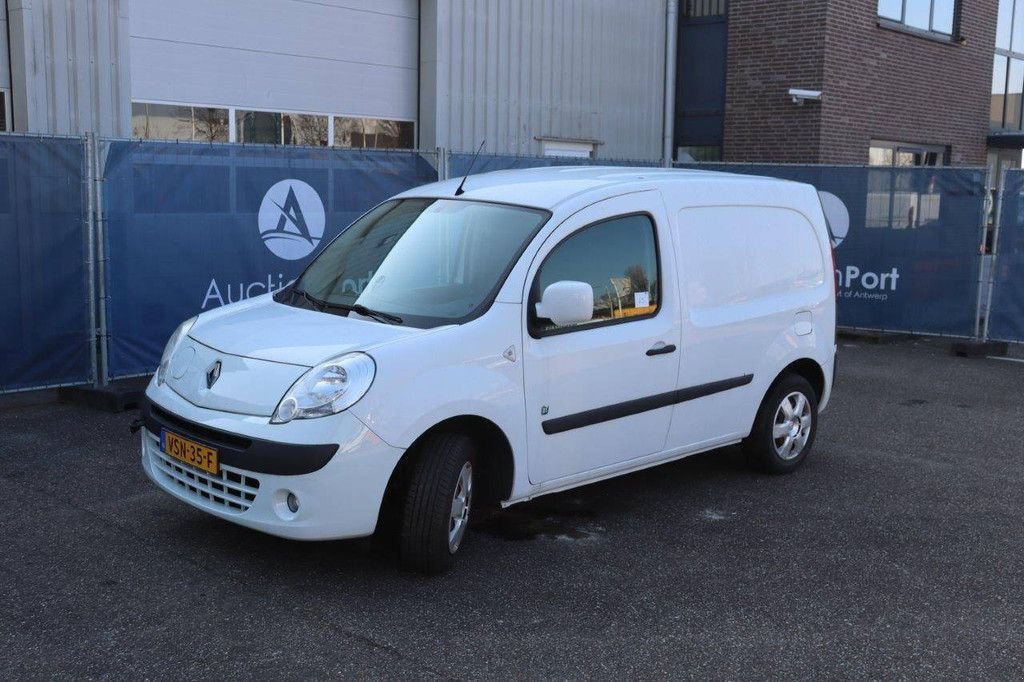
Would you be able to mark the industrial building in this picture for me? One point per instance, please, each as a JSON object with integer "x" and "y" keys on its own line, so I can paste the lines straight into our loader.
{"x": 903, "y": 82}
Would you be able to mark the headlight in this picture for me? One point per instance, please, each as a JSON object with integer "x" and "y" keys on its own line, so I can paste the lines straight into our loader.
{"x": 172, "y": 344}
{"x": 326, "y": 389}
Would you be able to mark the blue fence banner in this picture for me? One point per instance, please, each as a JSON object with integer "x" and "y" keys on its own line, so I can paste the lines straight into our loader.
{"x": 907, "y": 242}
{"x": 44, "y": 297}
{"x": 459, "y": 163}
{"x": 191, "y": 227}
{"x": 1006, "y": 314}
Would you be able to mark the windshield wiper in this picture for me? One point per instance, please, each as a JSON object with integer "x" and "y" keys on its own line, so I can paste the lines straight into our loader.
{"x": 315, "y": 302}
{"x": 357, "y": 308}
{"x": 361, "y": 309}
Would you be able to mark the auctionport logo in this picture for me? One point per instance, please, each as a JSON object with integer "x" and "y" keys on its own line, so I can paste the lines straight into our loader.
{"x": 291, "y": 219}
{"x": 853, "y": 282}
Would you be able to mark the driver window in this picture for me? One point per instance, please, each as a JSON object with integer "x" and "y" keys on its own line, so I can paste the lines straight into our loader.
{"x": 618, "y": 258}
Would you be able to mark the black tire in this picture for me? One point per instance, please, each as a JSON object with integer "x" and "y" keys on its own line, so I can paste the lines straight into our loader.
{"x": 427, "y": 509}
{"x": 762, "y": 447}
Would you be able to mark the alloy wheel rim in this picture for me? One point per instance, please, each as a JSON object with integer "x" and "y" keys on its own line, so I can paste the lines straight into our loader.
{"x": 461, "y": 501}
{"x": 792, "y": 426}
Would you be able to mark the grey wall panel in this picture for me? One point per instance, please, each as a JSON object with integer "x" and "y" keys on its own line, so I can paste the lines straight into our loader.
{"x": 509, "y": 71}
{"x": 69, "y": 66}
{"x": 5, "y": 65}
{"x": 330, "y": 56}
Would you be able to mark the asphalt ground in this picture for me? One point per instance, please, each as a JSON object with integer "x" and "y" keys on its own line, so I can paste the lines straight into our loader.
{"x": 896, "y": 552}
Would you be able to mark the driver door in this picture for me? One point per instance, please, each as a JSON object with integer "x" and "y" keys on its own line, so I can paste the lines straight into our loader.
{"x": 596, "y": 392}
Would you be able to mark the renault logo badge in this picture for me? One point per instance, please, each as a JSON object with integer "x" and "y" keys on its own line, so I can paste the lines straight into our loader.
{"x": 212, "y": 374}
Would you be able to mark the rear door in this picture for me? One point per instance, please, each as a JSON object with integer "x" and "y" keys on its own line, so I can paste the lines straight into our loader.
{"x": 593, "y": 390}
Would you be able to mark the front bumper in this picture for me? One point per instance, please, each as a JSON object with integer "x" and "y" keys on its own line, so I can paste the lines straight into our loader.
{"x": 339, "y": 493}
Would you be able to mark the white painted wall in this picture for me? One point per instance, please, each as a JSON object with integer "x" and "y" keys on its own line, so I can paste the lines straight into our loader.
{"x": 349, "y": 57}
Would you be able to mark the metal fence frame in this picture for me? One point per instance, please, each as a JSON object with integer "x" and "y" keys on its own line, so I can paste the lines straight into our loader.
{"x": 96, "y": 257}
{"x": 88, "y": 256}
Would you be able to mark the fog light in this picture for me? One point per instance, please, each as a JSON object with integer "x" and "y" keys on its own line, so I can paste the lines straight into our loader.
{"x": 293, "y": 503}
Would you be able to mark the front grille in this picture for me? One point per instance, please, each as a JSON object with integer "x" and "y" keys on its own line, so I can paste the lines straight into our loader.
{"x": 199, "y": 431}
{"x": 233, "y": 489}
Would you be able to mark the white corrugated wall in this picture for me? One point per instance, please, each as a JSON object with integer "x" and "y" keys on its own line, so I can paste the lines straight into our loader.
{"x": 510, "y": 71}
{"x": 69, "y": 66}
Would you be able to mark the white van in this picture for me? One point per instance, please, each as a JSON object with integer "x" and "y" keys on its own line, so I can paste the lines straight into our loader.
{"x": 540, "y": 330}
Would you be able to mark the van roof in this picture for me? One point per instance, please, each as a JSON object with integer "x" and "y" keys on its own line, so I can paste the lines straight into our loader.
{"x": 547, "y": 187}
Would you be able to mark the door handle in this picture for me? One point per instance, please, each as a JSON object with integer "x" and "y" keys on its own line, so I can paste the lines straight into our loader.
{"x": 661, "y": 349}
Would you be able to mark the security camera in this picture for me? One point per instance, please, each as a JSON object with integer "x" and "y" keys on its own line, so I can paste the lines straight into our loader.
{"x": 800, "y": 96}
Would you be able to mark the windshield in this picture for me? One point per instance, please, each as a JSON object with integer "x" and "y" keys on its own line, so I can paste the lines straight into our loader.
{"x": 426, "y": 261}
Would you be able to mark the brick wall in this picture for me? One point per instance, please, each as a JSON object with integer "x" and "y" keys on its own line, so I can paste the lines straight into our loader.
{"x": 885, "y": 84}
{"x": 878, "y": 83}
{"x": 773, "y": 46}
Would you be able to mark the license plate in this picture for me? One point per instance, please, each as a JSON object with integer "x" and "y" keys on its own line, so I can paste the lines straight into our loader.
{"x": 189, "y": 452}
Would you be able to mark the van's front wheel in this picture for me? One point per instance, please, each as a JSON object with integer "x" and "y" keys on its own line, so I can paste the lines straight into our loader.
{"x": 785, "y": 426}
{"x": 438, "y": 499}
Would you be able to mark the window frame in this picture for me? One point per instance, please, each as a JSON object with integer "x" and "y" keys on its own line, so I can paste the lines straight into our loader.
{"x": 7, "y": 127}
{"x": 192, "y": 106}
{"x": 332, "y": 124}
{"x": 233, "y": 123}
{"x": 893, "y": 169}
{"x": 902, "y": 25}
{"x": 532, "y": 326}
{"x": 1008, "y": 55}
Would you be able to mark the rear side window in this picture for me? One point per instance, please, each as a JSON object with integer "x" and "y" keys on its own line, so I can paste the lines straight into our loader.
{"x": 618, "y": 258}
{"x": 734, "y": 254}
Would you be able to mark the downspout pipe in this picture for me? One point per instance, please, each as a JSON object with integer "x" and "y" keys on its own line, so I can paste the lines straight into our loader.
{"x": 668, "y": 122}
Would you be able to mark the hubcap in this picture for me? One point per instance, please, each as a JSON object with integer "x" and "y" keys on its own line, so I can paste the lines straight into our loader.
{"x": 792, "y": 427}
{"x": 461, "y": 501}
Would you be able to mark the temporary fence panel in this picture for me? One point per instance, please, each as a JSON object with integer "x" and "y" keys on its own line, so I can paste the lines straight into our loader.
{"x": 191, "y": 227}
{"x": 460, "y": 163}
{"x": 1006, "y": 313}
{"x": 907, "y": 242}
{"x": 44, "y": 284}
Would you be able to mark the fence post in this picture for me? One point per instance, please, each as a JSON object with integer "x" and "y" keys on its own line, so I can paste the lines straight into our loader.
{"x": 442, "y": 163}
{"x": 90, "y": 253}
{"x": 995, "y": 252}
{"x": 101, "y": 260}
{"x": 981, "y": 255}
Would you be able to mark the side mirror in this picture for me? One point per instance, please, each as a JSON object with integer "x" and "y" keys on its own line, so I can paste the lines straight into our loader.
{"x": 566, "y": 303}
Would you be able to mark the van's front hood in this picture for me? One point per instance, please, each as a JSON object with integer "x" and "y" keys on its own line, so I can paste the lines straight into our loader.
{"x": 263, "y": 329}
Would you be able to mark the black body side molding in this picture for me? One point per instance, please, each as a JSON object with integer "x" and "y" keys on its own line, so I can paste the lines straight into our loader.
{"x": 631, "y": 407}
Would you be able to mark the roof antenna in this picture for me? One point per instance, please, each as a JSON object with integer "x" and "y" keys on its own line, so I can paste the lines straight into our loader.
{"x": 460, "y": 191}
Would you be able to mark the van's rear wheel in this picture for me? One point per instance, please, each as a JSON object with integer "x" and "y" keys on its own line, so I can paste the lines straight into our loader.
{"x": 438, "y": 499}
{"x": 785, "y": 426}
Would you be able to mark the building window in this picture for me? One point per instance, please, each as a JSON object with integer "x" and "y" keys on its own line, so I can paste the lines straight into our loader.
{"x": 179, "y": 122}
{"x": 5, "y": 114}
{"x": 698, "y": 9}
{"x": 699, "y": 153}
{"x": 900, "y": 200}
{"x": 304, "y": 129}
{"x": 152, "y": 121}
{"x": 373, "y": 133}
{"x": 998, "y": 106}
{"x": 269, "y": 127}
{"x": 1008, "y": 68}
{"x": 934, "y": 16}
